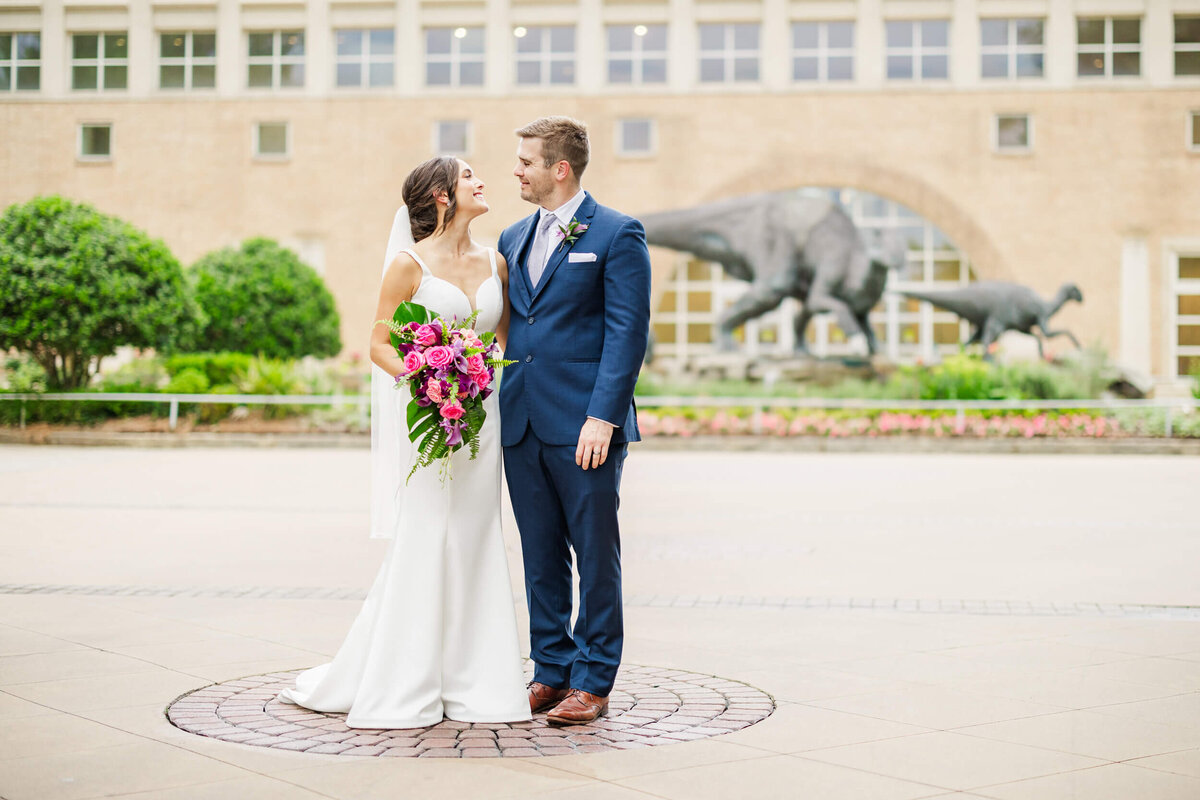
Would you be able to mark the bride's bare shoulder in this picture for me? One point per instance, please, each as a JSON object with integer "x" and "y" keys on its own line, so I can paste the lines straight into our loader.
{"x": 403, "y": 274}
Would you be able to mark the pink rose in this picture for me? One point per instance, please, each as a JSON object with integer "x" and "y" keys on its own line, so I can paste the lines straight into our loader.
{"x": 475, "y": 364}
{"x": 438, "y": 357}
{"x": 452, "y": 410}
{"x": 413, "y": 361}
{"x": 482, "y": 378}
{"x": 425, "y": 336}
{"x": 433, "y": 389}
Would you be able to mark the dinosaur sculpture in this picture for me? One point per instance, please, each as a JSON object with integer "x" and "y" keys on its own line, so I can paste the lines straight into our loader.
{"x": 993, "y": 307}
{"x": 786, "y": 245}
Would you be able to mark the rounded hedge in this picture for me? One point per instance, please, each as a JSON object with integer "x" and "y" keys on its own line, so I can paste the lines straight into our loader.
{"x": 261, "y": 298}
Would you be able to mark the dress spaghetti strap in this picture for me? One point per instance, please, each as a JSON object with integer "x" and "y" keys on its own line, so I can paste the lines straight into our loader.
{"x": 420, "y": 263}
{"x": 492, "y": 256}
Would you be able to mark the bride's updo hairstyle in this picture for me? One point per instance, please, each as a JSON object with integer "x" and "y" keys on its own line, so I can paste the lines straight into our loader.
{"x": 422, "y": 186}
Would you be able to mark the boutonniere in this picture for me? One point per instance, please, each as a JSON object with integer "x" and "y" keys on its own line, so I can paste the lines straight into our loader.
{"x": 570, "y": 233}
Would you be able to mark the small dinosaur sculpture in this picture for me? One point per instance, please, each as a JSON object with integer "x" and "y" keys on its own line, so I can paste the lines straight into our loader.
{"x": 993, "y": 307}
{"x": 787, "y": 245}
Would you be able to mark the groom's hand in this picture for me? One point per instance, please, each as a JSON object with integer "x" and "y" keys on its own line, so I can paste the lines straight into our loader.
{"x": 592, "y": 450}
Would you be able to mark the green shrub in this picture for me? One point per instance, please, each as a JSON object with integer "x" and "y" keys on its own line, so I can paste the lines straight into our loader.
{"x": 263, "y": 299}
{"x": 958, "y": 377}
{"x": 271, "y": 376}
{"x": 76, "y": 284}
{"x": 22, "y": 374}
{"x": 215, "y": 412}
{"x": 219, "y": 368}
{"x": 188, "y": 381}
{"x": 144, "y": 374}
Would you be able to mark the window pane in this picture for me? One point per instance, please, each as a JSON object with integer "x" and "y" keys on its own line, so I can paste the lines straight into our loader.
{"x": 349, "y": 43}
{"x": 29, "y": 46}
{"x": 936, "y": 67}
{"x": 83, "y": 78}
{"x": 900, "y": 67}
{"x": 1090, "y": 65}
{"x": 291, "y": 75}
{"x": 97, "y": 140}
{"x": 1187, "y": 63}
{"x": 1189, "y": 335}
{"x": 712, "y": 37}
{"x": 1030, "y": 31}
{"x": 1090, "y": 31}
{"x": 1189, "y": 269}
{"x": 804, "y": 68}
{"x": 437, "y": 74}
{"x": 635, "y": 136}
{"x": 529, "y": 72}
{"x": 1031, "y": 66}
{"x": 260, "y": 76}
{"x": 841, "y": 34}
{"x": 115, "y": 77}
{"x": 531, "y": 42}
{"x": 745, "y": 69}
{"x": 562, "y": 72}
{"x": 437, "y": 40}
{"x": 562, "y": 39}
{"x": 899, "y": 34}
{"x": 272, "y": 139}
{"x": 472, "y": 43}
{"x": 1012, "y": 132}
{"x": 994, "y": 66}
{"x": 993, "y": 32}
{"x": 204, "y": 45}
{"x": 712, "y": 70}
{"x": 620, "y": 70}
{"x": 620, "y": 37}
{"x": 170, "y": 77}
{"x": 116, "y": 45}
{"x": 29, "y": 78}
{"x": 5, "y": 46}
{"x": 349, "y": 75}
{"x": 745, "y": 37}
{"x": 1189, "y": 304}
{"x": 382, "y": 41}
{"x": 452, "y": 137}
{"x": 172, "y": 45}
{"x": 935, "y": 33}
{"x": 471, "y": 74}
{"x": 655, "y": 38}
{"x": 262, "y": 44}
{"x": 381, "y": 74}
{"x": 85, "y": 46}
{"x": 841, "y": 68}
{"x": 805, "y": 35}
{"x": 293, "y": 43}
{"x": 1126, "y": 31}
{"x": 1127, "y": 63}
{"x": 204, "y": 76}
{"x": 1187, "y": 30}
{"x": 654, "y": 70}
{"x": 5, "y": 79}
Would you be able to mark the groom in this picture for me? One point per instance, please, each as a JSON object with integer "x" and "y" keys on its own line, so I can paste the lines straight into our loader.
{"x": 579, "y": 289}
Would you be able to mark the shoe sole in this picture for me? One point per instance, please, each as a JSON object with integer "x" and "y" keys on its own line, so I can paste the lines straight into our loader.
{"x": 562, "y": 722}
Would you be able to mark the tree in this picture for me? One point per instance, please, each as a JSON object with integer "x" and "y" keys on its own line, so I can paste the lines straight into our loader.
{"x": 263, "y": 299}
{"x": 76, "y": 284}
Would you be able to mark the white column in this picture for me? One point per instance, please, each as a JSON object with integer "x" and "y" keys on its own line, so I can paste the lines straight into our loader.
{"x": 410, "y": 47}
{"x": 231, "y": 75}
{"x": 869, "y": 44}
{"x": 318, "y": 49}
{"x": 1060, "y": 44}
{"x": 1134, "y": 345}
{"x": 499, "y": 48}
{"x": 589, "y": 47}
{"x": 776, "y": 45}
{"x": 683, "y": 58}
{"x": 56, "y": 50}
{"x": 143, "y": 44}
{"x": 964, "y": 44}
{"x": 1158, "y": 37}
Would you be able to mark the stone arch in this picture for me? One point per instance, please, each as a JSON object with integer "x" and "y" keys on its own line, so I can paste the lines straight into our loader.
{"x": 905, "y": 188}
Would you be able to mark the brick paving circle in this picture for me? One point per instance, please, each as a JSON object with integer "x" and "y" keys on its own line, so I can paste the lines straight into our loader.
{"x": 650, "y": 706}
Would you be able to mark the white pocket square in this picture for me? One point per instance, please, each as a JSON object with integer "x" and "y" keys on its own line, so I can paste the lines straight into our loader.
{"x": 579, "y": 258}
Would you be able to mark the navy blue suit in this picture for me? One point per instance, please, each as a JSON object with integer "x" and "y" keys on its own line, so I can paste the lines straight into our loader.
{"x": 578, "y": 339}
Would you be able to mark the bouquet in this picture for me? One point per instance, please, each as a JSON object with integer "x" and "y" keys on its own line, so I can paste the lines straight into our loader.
{"x": 449, "y": 369}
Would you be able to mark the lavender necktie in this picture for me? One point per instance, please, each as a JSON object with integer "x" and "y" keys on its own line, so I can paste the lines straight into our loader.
{"x": 543, "y": 246}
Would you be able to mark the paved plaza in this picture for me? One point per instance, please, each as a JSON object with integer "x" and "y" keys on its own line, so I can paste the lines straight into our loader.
{"x": 913, "y": 626}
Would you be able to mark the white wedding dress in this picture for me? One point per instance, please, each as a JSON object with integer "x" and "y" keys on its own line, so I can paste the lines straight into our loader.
{"x": 437, "y": 634}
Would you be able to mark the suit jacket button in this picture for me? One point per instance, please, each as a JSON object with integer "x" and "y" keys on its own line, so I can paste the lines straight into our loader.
{"x": 531, "y": 320}
{"x": 528, "y": 359}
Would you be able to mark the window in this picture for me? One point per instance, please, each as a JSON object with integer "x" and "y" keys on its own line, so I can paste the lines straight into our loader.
{"x": 454, "y": 56}
{"x": 918, "y": 50}
{"x": 1185, "y": 280}
{"x": 729, "y": 53}
{"x": 99, "y": 61}
{"x": 365, "y": 58}
{"x": 1109, "y": 47}
{"x": 272, "y": 140}
{"x": 187, "y": 60}
{"x": 545, "y": 55}
{"x": 276, "y": 60}
{"x": 20, "y": 62}
{"x": 822, "y": 51}
{"x": 95, "y": 141}
{"x": 1013, "y": 133}
{"x": 452, "y": 138}
{"x": 1012, "y": 48}
{"x": 635, "y": 137}
{"x": 1194, "y": 131}
{"x": 637, "y": 54}
{"x": 1187, "y": 46}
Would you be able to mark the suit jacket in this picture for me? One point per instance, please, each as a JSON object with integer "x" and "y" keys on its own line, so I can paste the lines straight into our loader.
{"x": 579, "y": 336}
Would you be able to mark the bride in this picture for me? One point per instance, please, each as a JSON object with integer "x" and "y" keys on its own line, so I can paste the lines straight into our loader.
{"x": 437, "y": 634}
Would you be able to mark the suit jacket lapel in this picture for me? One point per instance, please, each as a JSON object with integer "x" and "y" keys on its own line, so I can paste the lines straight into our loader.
{"x": 522, "y": 253}
{"x": 584, "y": 215}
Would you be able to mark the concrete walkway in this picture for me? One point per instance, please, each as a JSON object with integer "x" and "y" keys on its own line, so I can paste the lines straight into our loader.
{"x": 929, "y": 625}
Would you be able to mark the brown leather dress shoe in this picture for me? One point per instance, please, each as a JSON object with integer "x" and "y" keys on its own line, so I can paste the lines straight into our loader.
{"x": 542, "y": 696}
{"x": 578, "y": 708}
